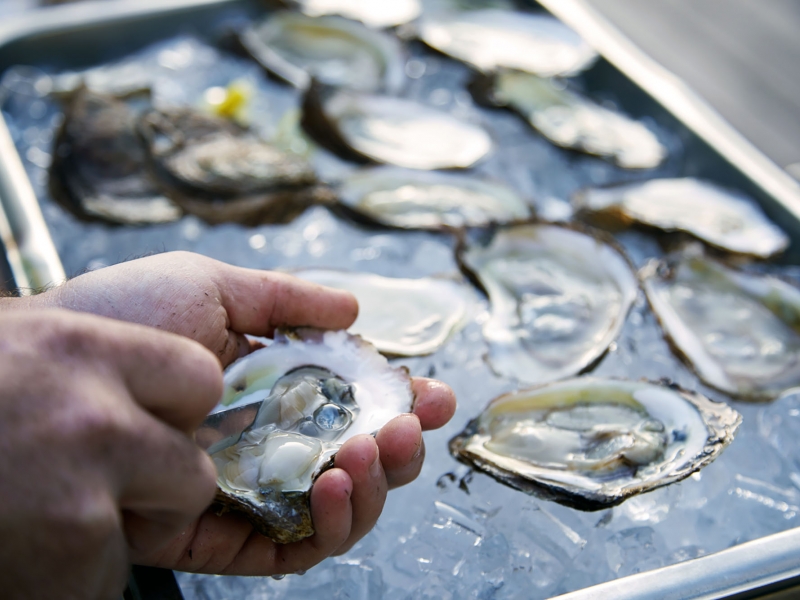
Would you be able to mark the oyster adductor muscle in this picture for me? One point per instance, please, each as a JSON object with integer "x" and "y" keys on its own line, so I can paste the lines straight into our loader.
{"x": 219, "y": 171}
{"x": 99, "y": 169}
{"x": 592, "y": 443}
{"x": 291, "y": 406}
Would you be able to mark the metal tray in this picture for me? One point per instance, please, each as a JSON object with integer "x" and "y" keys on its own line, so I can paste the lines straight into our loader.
{"x": 68, "y": 37}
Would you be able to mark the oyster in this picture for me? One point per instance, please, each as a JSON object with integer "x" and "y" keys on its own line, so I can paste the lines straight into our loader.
{"x": 386, "y": 13}
{"x": 99, "y": 168}
{"x": 402, "y": 317}
{"x": 492, "y": 39}
{"x": 593, "y": 443}
{"x": 333, "y": 50}
{"x": 286, "y": 410}
{"x": 391, "y": 130}
{"x": 428, "y": 200}
{"x": 573, "y": 121}
{"x": 221, "y": 172}
{"x": 558, "y": 297}
{"x": 722, "y": 218}
{"x": 739, "y": 331}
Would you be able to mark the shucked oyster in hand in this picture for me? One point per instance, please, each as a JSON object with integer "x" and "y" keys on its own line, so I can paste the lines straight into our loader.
{"x": 285, "y": 412}
{"x": 592, "y": 443}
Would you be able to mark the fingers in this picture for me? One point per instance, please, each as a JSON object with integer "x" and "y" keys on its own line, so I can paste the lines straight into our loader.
{"x": 401, "y": 448}
{"x": 360, "y": 458}
{"x": 435, "y": 402}
{"x": 259, "y": 301}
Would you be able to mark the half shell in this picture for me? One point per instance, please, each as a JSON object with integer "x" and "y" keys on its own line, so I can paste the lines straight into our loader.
{"x": 386, "y": 13}
{"x": 391, "y": 130}
{"x": 402, "y": 317}
{"x": 332, "y": 50}
{"x": 739, "y": 331}
{"x": 492, "y": 39}
{"x": 558, "y": 297}
{"x": 592, "y": 443}
{"x": 285, "y": 411}
{"x": 722, "y": 218}
{"x": 411, "y": 199}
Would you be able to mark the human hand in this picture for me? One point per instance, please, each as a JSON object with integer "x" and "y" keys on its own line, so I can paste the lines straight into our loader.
{"x": 216, "y": 304}
{"x": 98, "y": 462}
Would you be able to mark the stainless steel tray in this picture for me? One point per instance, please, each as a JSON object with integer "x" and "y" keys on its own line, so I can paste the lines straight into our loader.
{"x": 69, "y": 36}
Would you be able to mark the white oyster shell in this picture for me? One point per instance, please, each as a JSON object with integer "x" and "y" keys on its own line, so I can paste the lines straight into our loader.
{"x": 492, "y": 39}
{"x": 592, "y": 443}
{"x": 558, "y": 297}
{"x": 739, "y": 331}
{"x": 722, "y": 218}
{"x": 412, "y": 199}
{"x": 383, "y": 13}
{"x": 402, "y": 317}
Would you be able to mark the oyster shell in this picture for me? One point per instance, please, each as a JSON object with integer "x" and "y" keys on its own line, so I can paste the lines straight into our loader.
{"x": 593, "y": 443}
{"x": 391, "y": 130}
{"x": 386, "y": 13}
{"x": 286, "y": 410}
{"x": 558, "y": 297}
{"x": 492, "y": 39}
{"x": 99, "y": 168}
{"x": 221, "y": 172}
{"x": 739, "y": 331}
{"x": 412, "y": 199}
{"x": 722, "y": 218}
{"x": 573, "y": 121}
{"x": 332, "y": 50}
{"x": 402, "y": 317}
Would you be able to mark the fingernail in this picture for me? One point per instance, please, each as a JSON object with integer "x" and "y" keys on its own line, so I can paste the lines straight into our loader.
{"x": 375, "y": 467}
{"x": 417, "y": 452}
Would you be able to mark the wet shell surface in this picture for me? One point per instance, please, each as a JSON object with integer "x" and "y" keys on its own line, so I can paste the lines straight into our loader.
{"x": 492, "y": 39}
{"x": 386, "y": 13}
{"x": 99, "y": 168}
{"x": 221, "y": 172}
{"x": 402, "y": 317}
{"x": 723, "y": 218}
{"x": 592, "y": 443}
{"x": 390, "y": 130}
{"x": 558, "y": 298}
{"x": 410, "y": 199}
{"x": 573, "y": 121}
{"x": 285, "y": 412}
{"x": 335, "y": 51}
{"x": 739, "y": 331}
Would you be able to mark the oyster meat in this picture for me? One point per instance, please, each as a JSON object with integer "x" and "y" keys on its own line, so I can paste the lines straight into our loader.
{"x": 335, "y": 51}
{"x": 219, "y": 171}
{"x": 402, "y": 317}
{"x": 391, "y": 130}
{"x": 722, "y": 218}
{"x": 411, "y": 199}
{"x": 572, "y": 121}
{"x": 99, "y": 168}
{"x": 558, "y": 298}
{"x": 386, "y": 13}
{"x": 739, "y": 331}
{"x": 286, "y": 410}
{"x": 593, "y": 443}
{"x": 492, "y": 39}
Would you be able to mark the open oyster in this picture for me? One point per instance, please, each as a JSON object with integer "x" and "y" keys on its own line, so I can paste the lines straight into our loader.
{"x": 386, "y": 13}
{"x": 722, "y": 218}
{"x": 739, "y": 331}
{"x": 558, "y": 297}
{"x": 391, "y": 130}
{"x": 402, "y": 317}
{"x": 412, "y": 199}
{"x": 286, "y": 410}
{"x": 492, "y": 39}
{"x": 221, "y": 172}
{"x": 333, "y": 50}
{"x": 99, "y": 168}
{"x": 592, "y": 443}
{"x": 572, "y": 121}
